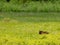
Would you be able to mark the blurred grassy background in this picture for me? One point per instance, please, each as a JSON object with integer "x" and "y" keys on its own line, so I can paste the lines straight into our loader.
{"x": 30, "y": 5}
{"x": 31, "y": 17}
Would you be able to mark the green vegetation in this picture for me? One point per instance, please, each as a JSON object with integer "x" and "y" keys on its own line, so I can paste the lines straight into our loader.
{"x": 31, "y": 17}
{"x": 21, "y": 21}
{"x": 23, "y": 28}
{"x": 30, "y": 5}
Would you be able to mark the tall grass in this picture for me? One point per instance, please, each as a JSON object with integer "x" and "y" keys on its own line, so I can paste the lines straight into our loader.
{"x": 30, "y": 6}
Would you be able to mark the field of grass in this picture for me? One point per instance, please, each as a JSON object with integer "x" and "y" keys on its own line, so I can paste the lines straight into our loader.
{"x": 33, "y": 6}
{"x": 23, "y": 28}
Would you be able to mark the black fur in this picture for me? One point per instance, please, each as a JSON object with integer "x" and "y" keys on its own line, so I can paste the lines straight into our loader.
{"x": 43, "y": 32}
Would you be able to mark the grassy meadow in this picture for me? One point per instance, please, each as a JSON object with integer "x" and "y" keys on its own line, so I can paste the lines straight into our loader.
{"x": 30, "y": 6}
{"x": 23, "y": 28}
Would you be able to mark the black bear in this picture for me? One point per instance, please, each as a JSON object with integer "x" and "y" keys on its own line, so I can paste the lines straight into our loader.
{"x": 43, "y": 32}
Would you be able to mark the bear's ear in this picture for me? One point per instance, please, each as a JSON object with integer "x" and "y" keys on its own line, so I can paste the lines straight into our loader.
{"x": 8, "y": 0}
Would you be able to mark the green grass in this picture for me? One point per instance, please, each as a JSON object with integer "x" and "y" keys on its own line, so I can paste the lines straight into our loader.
{"x": 32, "y": 17}
{"x": 33, "y": 6}
{"x": 20, "y": 29}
